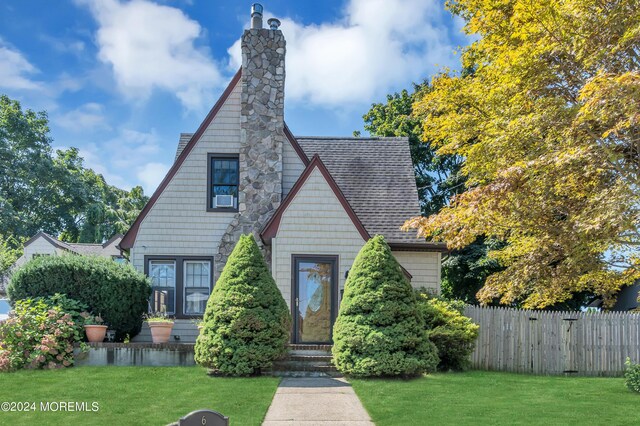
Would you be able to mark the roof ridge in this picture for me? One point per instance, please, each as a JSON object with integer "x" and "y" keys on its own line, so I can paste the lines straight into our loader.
{"x": 343, "y": 138}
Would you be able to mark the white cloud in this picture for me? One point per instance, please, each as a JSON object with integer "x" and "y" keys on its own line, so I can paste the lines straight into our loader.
{"x": 151, "y": 174}
{"x": 64, "y": 45}
{"x": 16, "y": 70}
{"x": 94, "y": 158}
{"x": 151, "y": 46}
{"x": 375, "y": 47}
{"x": 87, "y": 117}
{"x": 130, "y": 146}
{"x": 126, "y": 160}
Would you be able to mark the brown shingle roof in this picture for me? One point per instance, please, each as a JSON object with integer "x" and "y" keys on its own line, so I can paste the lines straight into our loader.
{"x": 377, "y": 178}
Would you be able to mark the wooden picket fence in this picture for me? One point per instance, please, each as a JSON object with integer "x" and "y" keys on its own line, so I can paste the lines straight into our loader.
{"x": 548, "y": 342}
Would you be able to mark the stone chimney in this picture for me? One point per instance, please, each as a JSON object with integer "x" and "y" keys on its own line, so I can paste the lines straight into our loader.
{"x": 262, "y": 132}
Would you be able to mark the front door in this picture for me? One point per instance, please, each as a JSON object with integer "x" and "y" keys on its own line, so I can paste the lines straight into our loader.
{"x": 315, "y": 298}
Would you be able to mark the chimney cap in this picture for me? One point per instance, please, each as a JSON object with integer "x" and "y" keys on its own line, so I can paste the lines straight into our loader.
{"x": 256, "y": 8}
{"x": 273, "y": 23}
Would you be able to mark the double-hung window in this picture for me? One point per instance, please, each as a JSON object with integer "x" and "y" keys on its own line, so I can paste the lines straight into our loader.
{"x": 181, "y": 285}
{"x": 223, "y": 178}
{"x": 163, "y": 282}
{"x": 197, "y": 279}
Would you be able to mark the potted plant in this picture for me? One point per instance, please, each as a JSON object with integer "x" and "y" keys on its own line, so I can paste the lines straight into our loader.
{"x": 94, "y": 327}
{"x": 161, "y": 327}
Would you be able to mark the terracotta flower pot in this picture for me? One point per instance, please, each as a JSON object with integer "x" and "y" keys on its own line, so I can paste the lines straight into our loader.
{"x": 160, "y": 331}
{"x": 95, "y": 333}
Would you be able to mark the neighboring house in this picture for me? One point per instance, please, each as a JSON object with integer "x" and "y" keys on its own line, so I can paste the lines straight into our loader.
{"x": 311, "y": 203}
{"x": 43, "y": 244}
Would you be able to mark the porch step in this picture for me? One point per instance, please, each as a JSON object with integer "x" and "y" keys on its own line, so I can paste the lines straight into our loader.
{"x": 309, "y": 357}
{"x": 305, "y": 361}
{"x": 319, "y": 350}
{"x": 306, "y": 347}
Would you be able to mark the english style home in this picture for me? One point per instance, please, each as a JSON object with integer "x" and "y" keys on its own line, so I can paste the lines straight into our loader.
{"x": 310, "y": 202}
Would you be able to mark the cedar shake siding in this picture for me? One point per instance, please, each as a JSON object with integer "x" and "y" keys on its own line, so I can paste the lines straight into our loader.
{"x": 423, "y": 266}
{"x": 178, "y": 222}
{"x": 314, "y": 223}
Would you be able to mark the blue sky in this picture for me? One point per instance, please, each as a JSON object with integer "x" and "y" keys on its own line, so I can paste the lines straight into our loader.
{"x": 121, "y": 79}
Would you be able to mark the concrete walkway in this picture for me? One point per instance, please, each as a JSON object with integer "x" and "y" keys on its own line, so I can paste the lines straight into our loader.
{"x": 316, "y": 401}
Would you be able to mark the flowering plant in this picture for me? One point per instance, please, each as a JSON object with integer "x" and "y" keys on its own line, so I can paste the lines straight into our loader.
{"x": 37, "y": 335}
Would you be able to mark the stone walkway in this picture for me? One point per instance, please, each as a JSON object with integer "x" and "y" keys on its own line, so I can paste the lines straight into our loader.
{"x": 316, "y": 401}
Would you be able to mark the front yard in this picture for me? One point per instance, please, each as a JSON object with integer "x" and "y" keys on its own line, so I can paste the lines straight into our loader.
{"x": 480, "y": 398}
{"x": 134, "y": 395}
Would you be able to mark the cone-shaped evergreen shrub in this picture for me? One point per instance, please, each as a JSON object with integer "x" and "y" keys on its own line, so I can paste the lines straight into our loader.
{"x": 246, "y": 323}
{"x": 380, "y": 329}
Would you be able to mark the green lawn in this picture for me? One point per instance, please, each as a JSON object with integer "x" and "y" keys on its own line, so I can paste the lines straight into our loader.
{"x": 135, "y": 395}
{"x": 482, "y": 398}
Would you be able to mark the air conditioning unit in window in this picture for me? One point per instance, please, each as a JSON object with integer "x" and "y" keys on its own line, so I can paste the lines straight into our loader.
{"x": 224, "y": 200}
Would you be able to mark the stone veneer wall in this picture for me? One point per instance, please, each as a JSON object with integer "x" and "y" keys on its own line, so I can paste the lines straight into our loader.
{"x": 261, "y": 137}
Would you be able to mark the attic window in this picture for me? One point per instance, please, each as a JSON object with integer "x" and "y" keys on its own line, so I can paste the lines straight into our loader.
{"x": 222, "y": 182}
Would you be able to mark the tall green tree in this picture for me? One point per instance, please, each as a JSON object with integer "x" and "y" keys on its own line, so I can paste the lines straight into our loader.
{"x": 548, "y": 126}
{"x": 438, "y": 178}
{"x": 53, "y": 192}
{"x": 36, "y": 191}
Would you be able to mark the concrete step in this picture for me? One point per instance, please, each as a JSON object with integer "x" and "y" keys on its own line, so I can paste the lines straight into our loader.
{"x": 287, "y": 368}
{"x": 306, "y": 357}
{"x": 307, "y": 347}
{"x": 286, "y": 373}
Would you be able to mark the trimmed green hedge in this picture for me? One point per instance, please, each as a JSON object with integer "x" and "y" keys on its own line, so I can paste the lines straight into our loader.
{"x": 246, "y": 323}
{"x": 116, "y": 292}
{"x": 380, "y": 330}
{"x": 453, "y": 334}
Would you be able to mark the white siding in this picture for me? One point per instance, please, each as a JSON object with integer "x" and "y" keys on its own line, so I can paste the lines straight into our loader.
{"x": 292, "y": 167}
{"x": 423, "y": 266}
{"x": 39, "y": 246}
{"x": 178, "y": 223}
{"x": 314, "y": 223}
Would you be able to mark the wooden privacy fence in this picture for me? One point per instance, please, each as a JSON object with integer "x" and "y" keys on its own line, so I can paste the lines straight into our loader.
{"x": 548, "y": 342}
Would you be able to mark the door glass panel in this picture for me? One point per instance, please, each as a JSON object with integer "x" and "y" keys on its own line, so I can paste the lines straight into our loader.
{"x": 314, "y": 301}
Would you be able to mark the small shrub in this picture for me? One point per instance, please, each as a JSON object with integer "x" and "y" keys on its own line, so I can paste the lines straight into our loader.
{"x": 37, "y": 335}
{"x": 380, "y": 329}
{"x": 114, "y": 291}
{"x": 246, "y": 322}
{"x": 453, "y": 334}
{"x": 632, "y": 375}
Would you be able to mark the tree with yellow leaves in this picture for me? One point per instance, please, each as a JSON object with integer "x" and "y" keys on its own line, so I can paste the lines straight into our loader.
{"x": 548, "y": 123}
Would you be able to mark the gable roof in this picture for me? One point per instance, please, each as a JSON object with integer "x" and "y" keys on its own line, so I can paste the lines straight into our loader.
{"x": 79, "y": 248}
{"x": 130, "y": 237}
{"x": 271, "y": 228}
{"x": 377, "y": 178}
